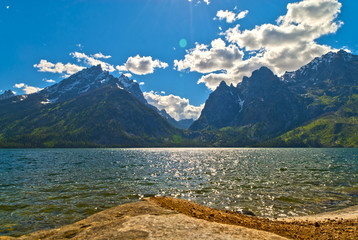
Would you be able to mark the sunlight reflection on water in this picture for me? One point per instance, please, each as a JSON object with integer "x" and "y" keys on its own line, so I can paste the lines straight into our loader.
{"x": 45, "y": 188}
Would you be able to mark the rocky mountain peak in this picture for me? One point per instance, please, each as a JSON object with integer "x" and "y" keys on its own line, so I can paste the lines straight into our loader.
{"x": 345, "y": 55}
{"x": 132, "y": 87}
{"x": 223, "y": 85}
{"x": 262, "y": 74}
{"x": 88, "y": 80}
{"x": 321, "y": 65}
{"x": 260, "y": 80}
{"x": 325, "y": 73}
{"x": 261, "y": 100}
{"x": 7, "y": 94}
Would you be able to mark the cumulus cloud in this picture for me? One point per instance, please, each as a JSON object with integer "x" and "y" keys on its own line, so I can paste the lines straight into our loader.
{"x": 128, "y": 75}
{"x": 136, "y": 65}
{"x": 100, "y": 55}
{"x": 93, "y": 61}
{"x": 230, "y": 16}
{"x": 68, "y": 69}
{"x": 49, "y": 80}
{"x": 141, "y": 65}
{"x": 204, "y": 60}
{"x": 26, "y": 88}
{"x": 177, "y": 107}
{"x": 242, "y": 14}
{"x": 284, "y": 46}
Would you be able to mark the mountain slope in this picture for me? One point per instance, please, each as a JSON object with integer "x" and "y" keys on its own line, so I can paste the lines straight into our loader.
{"x": 220, "y": 109}
{"x": 7, "y": 94}
{"x": 261, "y": 102}
{"x": 306, "y": 107}
{"x": 104, "y": 115}
{"x": 87, "y": 80}
{"x": 326, "y": 83}
{"x": 337, "y": 129}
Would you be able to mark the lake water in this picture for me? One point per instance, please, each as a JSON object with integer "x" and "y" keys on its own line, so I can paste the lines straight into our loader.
{"x": 47, "y": 188}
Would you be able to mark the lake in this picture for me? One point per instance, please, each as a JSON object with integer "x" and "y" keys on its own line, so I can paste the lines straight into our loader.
{"x": 47, "y": 188}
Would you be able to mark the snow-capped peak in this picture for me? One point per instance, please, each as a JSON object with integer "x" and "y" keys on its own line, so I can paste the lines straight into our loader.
{"x": 7, "y": 94}
{"x": 87, "y": 80}
{"x": 324, "y": 60}
{"x": 127, "y": 83}
{"x": 80, "y": 83}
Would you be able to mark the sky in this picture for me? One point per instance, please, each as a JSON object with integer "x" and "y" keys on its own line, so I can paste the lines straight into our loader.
{"x": 177, "y": 50}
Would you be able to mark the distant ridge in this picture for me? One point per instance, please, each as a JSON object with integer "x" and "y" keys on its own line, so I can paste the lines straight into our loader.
{"x": 315, "y": 106}
{"x": 320, "y": 95}
{"x": 7, "y": 94}
{"x": 90, "y": 108}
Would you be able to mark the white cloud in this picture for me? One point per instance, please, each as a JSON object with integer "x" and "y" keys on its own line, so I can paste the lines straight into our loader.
{"x": 49, "y": 80}
{"x": 284, "y": 46}
{"x": 121, "y": 68}
{"x": 100, "y": 55}
{"x": 177, "y": 107}
{"x": 230, "y": 16}
{"x": 26, "y": 88}
{"x": 242, "y": 14}
{"x": 204, "y": 60}
{"x": 128, "y": 75}
{"x": 137, "y": 65}
{"x": 141, "y": 65}
{"x": 19, "y": 85}
{"x": 212, "y": 80}
{"x": 68, "y": 69}
{"x": 92, "y": 61}
{"x": 345, "y": 48}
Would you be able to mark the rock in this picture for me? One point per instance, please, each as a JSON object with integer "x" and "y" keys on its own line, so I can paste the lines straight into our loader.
{"x": 147, "y": 220}
{"x": 246, "y": 212}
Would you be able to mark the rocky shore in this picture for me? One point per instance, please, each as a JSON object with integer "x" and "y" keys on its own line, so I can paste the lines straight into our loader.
{"x": 171, "y": 218}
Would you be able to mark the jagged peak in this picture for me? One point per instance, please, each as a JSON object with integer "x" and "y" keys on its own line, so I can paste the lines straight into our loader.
{"x": 260, "y": 75}
{"x": 97, "y": 67}
{"x": 222, "y": 85}
{"x": 9, "y": 92}
{"x": 90, "y": 72}
{"x": 263, "y": 70}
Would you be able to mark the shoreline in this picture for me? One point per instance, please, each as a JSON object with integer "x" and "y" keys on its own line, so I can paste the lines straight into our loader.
{"x": 173, "y": 218}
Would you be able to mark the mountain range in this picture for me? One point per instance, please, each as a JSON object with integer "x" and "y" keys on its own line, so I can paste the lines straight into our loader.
{"x": 315, "y": 106}
{"x": 90, "y": 108}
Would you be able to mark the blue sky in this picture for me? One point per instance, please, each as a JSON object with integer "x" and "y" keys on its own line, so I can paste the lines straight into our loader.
{"x": 142, "y": 38}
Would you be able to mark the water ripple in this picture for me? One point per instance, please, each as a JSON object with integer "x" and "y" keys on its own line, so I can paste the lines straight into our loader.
{"x": 46, "y": 188}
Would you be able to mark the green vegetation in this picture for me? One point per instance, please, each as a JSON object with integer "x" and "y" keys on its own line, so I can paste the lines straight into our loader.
{"x": 337, "y": 129}
{"x": 107, "y": 117}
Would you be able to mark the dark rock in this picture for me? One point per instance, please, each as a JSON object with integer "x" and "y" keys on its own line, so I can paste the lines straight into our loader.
{"x": 7, "y": 94}
{"x": 246, "y": 212}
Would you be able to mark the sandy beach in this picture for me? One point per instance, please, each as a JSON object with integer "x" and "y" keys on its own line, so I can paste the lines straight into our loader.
{"x": 172, "y": 218}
